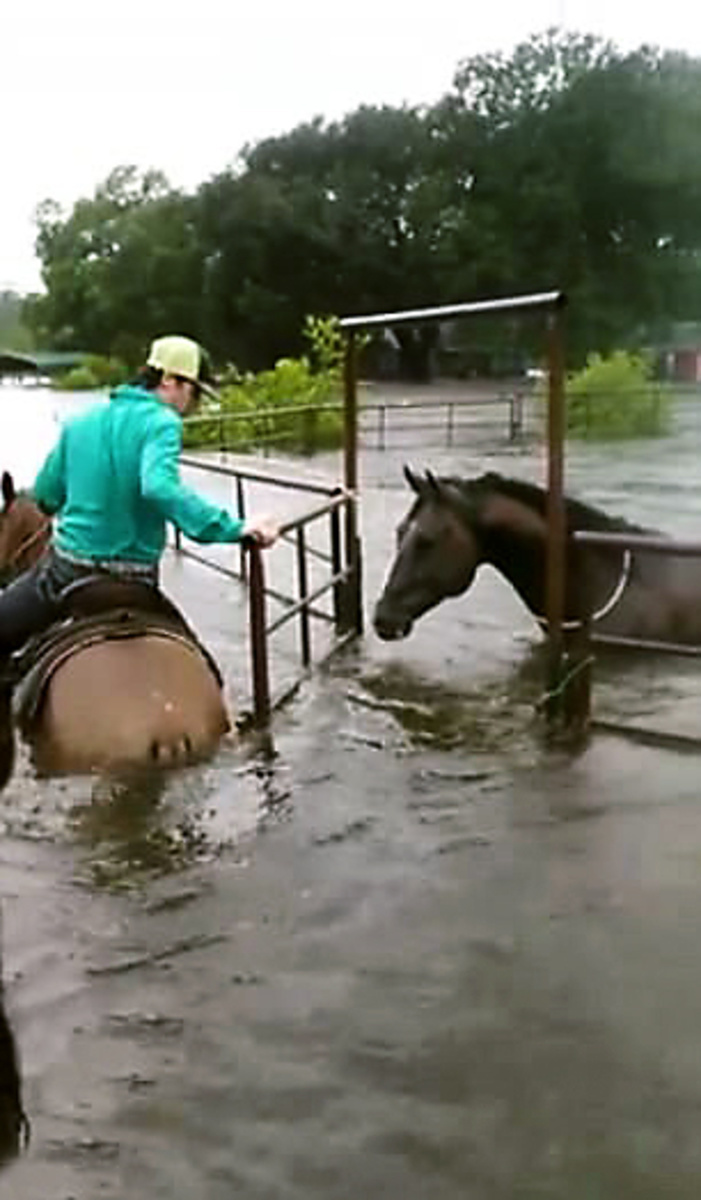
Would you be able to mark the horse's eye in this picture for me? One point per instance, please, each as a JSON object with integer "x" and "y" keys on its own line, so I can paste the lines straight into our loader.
{"x": 422, "y": 543}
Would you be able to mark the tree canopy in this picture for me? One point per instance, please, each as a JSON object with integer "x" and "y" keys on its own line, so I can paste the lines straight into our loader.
{"x": 567, "y": 164}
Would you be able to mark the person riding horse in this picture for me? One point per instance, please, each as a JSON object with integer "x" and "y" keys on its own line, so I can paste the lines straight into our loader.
{"x": 112, "y": 481}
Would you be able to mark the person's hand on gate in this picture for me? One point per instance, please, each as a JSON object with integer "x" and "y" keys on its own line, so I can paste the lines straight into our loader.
{"x": 263, "y": 530}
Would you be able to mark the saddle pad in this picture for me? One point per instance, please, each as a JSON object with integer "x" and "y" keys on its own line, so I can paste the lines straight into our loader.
{"x": 43, "y": 656}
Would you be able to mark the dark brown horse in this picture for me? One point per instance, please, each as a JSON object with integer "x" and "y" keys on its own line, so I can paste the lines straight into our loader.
{"x": 455, "y": 525}
{"x": 124, "y": 683}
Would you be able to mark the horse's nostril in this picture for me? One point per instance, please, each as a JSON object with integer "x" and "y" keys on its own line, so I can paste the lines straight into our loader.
{"x": 388, "y": 630}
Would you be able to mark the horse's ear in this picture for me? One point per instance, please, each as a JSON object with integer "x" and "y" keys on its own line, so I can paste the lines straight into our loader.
{"x": 412, "y": 479}
{"x": 433, "y": 483}
{"x": 8, "y": 488}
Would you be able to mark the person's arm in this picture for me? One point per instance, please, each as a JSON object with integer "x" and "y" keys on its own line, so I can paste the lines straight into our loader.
{"x": 49, "y": 490}
{"x": 196, "y": 517}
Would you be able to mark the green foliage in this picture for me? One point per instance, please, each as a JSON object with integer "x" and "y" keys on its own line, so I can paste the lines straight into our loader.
{"x": 78, "y": 379}
{"x": 294, "y": 406}
{"x": 121, "y": 267}
{"x": 14, "y": 332}
{"x": 615, "y": 397}
{"x": 96, "y": 371}
{"x": 533, "y": 172}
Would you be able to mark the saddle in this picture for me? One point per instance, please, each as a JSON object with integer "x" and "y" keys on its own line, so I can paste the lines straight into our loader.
{"x": 95, "y": 609}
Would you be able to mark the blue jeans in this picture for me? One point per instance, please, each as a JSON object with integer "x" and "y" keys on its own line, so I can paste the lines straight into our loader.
{"x": 34, "y": 600}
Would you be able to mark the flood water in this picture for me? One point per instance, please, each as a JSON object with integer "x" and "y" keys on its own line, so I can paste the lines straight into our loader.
{"x": 407, "y": 952}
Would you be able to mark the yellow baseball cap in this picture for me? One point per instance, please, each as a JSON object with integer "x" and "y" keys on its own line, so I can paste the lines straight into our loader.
{"x": 176, "y": 355}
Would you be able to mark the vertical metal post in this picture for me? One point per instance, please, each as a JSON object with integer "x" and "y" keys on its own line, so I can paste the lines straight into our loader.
{"x": 382, "y": 427}
{"x": 259, "y": 645}
{"x": 350, "y": 431}
{"x": 303, "y": 593}
{"x": 515, "y": 415}
{"x": 449, "y": 429}
{"x": 555, "y": 560}
{"x": 336, "y": 564}
{"x": 577, "y": 694}
{"x": 350, "y": 413}
{"x": 241, "y": 510}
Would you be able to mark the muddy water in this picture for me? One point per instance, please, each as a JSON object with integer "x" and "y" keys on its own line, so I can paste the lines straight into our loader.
{"x": 405, "y": 951}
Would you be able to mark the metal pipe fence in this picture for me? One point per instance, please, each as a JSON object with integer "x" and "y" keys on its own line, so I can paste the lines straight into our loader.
{"x": 577, "y": 698}
{"x": 378, "y": 423}
{"x": 341, "y": 582}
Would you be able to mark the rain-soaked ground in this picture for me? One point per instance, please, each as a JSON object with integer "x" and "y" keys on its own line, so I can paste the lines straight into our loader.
{"x": 407, "y": 953}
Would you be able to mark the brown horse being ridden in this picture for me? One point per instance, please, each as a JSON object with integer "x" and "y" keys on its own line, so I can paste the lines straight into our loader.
{"x": 120, "y": 682}
{"x": 455, "y": 525}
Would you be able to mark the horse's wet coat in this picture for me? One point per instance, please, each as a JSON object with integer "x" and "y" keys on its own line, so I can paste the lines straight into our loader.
{"x": 109, "y": 701}
{"x": 456, "y": 525}
{"x": 24, "y": 531}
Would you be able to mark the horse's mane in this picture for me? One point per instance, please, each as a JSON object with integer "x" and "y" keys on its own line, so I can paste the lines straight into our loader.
{"x": 579, "y": 514}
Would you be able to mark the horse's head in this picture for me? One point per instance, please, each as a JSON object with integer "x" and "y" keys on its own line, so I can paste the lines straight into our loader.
{"x": 24, "y": 531}
{"x": 437, "y": 555}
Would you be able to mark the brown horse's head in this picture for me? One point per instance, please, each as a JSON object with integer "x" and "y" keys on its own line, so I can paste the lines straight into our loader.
{"x": 24, "y": 531}
{"x": 437, "y": 556}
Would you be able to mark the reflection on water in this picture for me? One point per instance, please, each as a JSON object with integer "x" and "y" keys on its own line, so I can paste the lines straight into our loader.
{"x": 127, "y": 831}
{"x": 139, "y": 826}
{"x": 497, "y": 716}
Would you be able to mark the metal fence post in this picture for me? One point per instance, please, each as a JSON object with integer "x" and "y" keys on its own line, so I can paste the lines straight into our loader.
{"x": 259, "y": 644}
{"x": 241, "y": 510}
{"x": 515, "y": 415}
{"x": 576, "y": 698}
{"x": 336, "y": 567}
{"x": 555, "y": 512}
{"x": 353, "y": 587}
{"x": 382, "y": 427}
{"x": 303, "y": 593}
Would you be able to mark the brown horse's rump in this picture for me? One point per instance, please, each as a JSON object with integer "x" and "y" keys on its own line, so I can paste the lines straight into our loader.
{"x": 51, "y": 651}
{"x": 119, "y": 681}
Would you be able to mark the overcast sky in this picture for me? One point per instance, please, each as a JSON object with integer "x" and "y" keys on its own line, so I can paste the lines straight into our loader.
{"x": 86, "y": 86}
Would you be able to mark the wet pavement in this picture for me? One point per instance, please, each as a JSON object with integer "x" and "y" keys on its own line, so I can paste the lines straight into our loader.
{"x": 407, "y": 950}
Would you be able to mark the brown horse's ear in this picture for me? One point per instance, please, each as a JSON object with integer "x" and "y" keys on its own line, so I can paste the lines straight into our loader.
{"x": 8, "y": 488}
{"x": 433, "y": 483}
{"x": 413, "y": 480}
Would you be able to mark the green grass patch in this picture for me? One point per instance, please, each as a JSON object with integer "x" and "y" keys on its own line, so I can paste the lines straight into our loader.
{"x": 295, "y": 406}
{"x": 615, "y": 397}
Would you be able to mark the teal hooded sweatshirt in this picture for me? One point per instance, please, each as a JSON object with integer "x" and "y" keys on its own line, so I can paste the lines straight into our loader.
{"x": 113, "y": 478}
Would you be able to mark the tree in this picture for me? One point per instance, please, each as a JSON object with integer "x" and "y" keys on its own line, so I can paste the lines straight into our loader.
{"x": 119, "y": 268}
{"x": 565, "y": 165}
{"x": 582, "y": 180}
{"x": 327, "y": 219}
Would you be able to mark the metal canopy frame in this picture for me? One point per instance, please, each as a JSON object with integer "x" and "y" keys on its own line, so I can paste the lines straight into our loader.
{"x": 553, "y": 303}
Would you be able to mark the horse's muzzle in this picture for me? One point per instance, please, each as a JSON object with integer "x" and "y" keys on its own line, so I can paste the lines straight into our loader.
{"x": 389, "y": 629}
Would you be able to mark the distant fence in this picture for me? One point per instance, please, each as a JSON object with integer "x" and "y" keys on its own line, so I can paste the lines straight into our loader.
{"x": 442, "y": 421}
